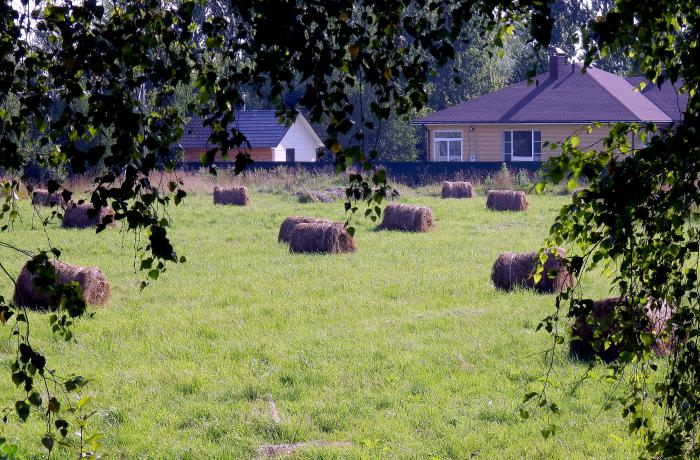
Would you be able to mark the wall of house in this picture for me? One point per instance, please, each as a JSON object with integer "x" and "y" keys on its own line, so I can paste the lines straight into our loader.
{"x": 257, "y": 154}
{"x": 279, "y": 154}
{"x": 486, "y": 141}
{"x": 300, "y": 138}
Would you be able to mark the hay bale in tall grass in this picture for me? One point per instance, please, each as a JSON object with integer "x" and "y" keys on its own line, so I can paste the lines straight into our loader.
{"x": 93, "y": 284}
{"x": 292, "y": 221}
{"x": 325, "y": 237}
{"x": 590, "y": 332}
{"x": 512, "y": 270}
{"x": 42, "y": 197}
{"x": 234, "y": 195}
{"x": 457, "y": 189}
{"x": 506, "y": 200}
{"x": 328, "y": 195}
{"x": 313, "y": 196}
{"x": 407, "y": 218}
{"x": 78, "y": 215}
{"x": 338, "y": 193}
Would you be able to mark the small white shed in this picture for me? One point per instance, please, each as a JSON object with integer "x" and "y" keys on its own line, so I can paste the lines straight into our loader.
{"x": 299, "y": 143}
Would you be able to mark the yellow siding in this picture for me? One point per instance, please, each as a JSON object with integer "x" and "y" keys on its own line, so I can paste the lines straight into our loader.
{"x": 486, "y": 141}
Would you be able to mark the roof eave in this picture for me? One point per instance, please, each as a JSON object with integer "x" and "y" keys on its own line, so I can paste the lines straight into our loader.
{"x": 531, "y": 122}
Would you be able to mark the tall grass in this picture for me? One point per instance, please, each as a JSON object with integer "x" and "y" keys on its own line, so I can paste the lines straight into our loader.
{"x": 285, "y": 180}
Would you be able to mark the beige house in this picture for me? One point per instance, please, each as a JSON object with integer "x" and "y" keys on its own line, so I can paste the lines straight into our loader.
{"x": 514, "y": 123}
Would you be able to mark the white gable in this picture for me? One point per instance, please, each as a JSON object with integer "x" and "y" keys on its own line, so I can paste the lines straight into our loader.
{"x": 302, "y": 138}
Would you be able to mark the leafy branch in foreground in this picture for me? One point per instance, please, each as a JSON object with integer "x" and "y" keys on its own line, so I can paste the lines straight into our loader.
{"x": 639, "y": 216}
{"x": 43, "y": 388}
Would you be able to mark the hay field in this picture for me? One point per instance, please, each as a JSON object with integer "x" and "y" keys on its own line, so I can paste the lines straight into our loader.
{"x": 403, "y": 349}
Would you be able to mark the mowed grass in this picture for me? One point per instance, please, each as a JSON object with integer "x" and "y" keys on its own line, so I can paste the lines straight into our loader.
{"x": 404, "y": 348}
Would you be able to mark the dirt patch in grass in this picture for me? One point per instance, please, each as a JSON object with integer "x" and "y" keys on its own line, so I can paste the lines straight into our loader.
{"x": 277, "y": 450}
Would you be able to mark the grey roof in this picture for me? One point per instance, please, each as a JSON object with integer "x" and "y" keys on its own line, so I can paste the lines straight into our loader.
{"x": 572, "y": 97}
{"x": 260, "y": 127}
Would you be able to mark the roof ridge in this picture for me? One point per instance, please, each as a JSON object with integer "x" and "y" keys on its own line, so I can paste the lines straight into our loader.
{"x": 255, "y": 110}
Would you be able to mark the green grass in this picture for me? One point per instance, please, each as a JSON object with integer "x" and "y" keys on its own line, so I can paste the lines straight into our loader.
{"x": 404, "y": 349}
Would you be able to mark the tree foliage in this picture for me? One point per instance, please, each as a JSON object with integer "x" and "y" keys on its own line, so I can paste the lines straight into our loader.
{"x": 639, "y": 217}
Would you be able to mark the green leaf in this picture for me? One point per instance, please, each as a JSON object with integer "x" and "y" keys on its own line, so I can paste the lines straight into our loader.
{"x": 35, "y": 399}
{"x": 82, "y": 402}
{"x": 549, "y": 431}
{"x": 9, "y": 450}
{"x": 647, "y": 338}
{"x": 18, "y": 378}
{"x": 94, "y": 441}
{"x": 47, "y": 441}
{"x": 22, "y": 409}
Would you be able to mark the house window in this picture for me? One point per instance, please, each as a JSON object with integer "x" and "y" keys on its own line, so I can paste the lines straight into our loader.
{"x": 522, "y": 145}
{"x": 448, "y": 145}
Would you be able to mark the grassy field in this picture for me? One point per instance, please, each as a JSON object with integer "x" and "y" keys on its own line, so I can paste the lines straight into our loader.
{"x": 404, "y": 349}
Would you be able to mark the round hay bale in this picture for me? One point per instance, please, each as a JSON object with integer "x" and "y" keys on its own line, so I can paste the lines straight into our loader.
{"x": 235, "y": 195}
{"x": 313, "y": 196}
{"x": 457, "y": 189}
{"x": 506, "y": 200}
{"x": 292, "y": 221}
{"x": 325, "y": 237}
{"x": 512, "y": 270}
{"x": 42, "y": 197}
{"x": 590, "y": 332}
{"x": 338, "y": 193}
{"x": 79, "y": 216}
{"x": 93, "y": 284}
{"x": 407, "y": 218}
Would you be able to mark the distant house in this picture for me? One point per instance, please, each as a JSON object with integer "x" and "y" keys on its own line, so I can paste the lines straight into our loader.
{"x": 512, "y": 124}
{"x": 269, "y": 140}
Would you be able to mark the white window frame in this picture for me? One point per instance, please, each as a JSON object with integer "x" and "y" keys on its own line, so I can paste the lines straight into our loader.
{"x": 440, "y": 136}
{"x": 508, "y": 145}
